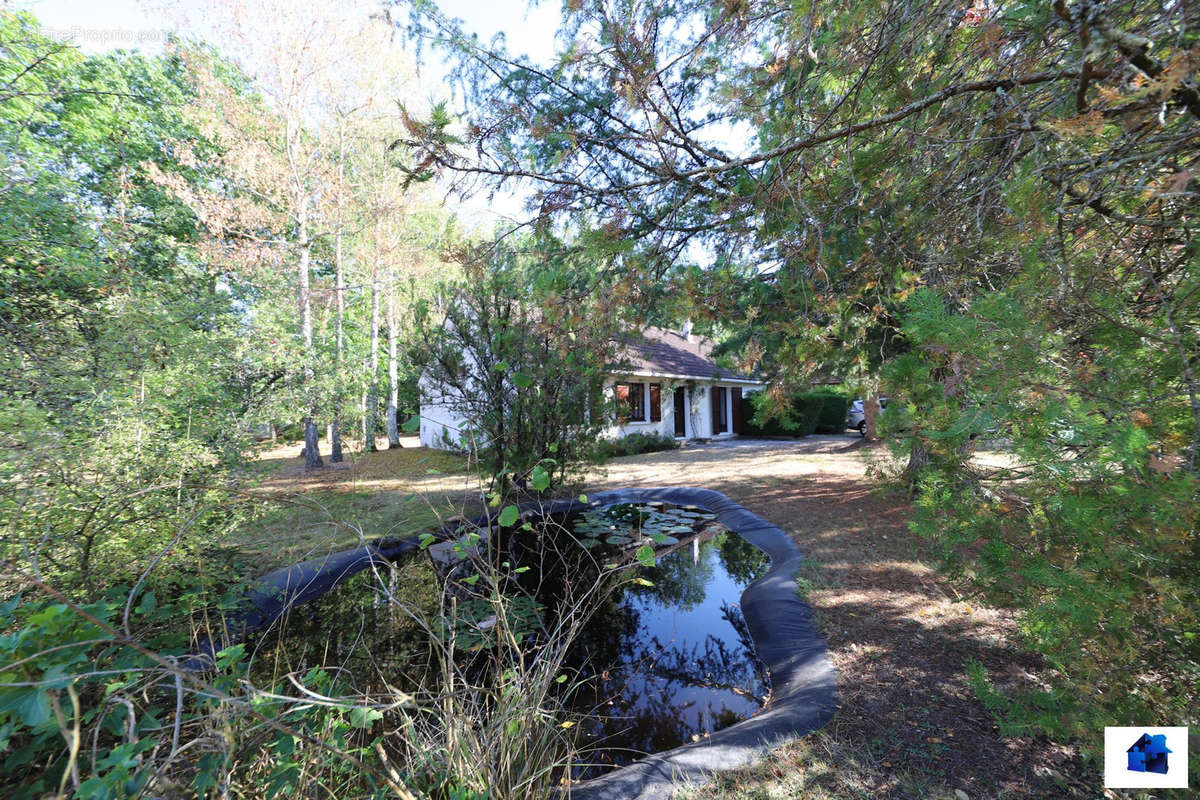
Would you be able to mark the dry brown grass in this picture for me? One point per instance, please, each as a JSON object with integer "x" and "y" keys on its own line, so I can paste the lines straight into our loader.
{"x": 387, "y": 493}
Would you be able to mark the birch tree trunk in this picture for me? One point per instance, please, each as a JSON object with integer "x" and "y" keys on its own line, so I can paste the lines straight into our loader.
{"x": 365, "y": 430}
{"x": 312, "y": 453}
{"x": 371, "y": 400}
{"x": 393, "y": 432}
{"x": 335, "y": 433}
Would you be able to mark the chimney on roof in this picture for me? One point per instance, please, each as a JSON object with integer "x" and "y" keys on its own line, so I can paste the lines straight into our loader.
{"x": 685, "y": 330}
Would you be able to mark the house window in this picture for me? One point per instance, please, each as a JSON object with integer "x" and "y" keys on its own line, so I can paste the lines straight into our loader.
{"x": 639, "y": 402}
{"x": 631, "y": 402}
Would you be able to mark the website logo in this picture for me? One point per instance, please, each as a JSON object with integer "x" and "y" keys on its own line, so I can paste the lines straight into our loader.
{"x": 1149, "y": 754}
{"x": 1145, "y": 758}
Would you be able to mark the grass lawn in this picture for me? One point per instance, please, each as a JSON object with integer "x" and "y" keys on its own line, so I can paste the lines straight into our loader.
{"x": 388, "y": 493}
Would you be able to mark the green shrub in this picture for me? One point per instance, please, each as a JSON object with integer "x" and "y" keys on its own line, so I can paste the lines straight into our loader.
{"x": 635, "y": 443}
{"x": 89, "y": 711}
{"x": 504, "y": 319}
{"x": 1091, "y": 537}
{"x": 827, "y": 410}
{"x": 765, "y": 418}
{"x": 802, "y": 414}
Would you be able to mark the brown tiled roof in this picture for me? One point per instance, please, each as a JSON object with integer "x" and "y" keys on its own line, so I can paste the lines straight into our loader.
{"x": 668, "y": 353}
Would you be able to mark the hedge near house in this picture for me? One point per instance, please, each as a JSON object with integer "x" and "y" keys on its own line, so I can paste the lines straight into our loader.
{"x": 820, "y": 411}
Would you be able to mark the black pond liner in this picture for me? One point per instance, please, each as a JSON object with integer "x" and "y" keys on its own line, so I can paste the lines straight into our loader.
{"x": 802, "y": 678}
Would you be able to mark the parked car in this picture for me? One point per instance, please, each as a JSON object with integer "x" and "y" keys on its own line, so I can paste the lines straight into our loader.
{"x": 856, "y": 417}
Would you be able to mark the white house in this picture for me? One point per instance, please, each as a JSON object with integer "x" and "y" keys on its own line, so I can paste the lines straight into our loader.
{"x": 667, "y": 384}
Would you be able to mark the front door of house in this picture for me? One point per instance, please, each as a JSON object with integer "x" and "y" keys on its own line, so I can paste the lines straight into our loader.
{"x": 680, "y": 412}
{"x": 735, "y": 407}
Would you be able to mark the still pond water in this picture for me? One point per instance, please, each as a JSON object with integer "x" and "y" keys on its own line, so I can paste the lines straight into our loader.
{"x": 663, "y": 659}
{"x": 669, "y": 663}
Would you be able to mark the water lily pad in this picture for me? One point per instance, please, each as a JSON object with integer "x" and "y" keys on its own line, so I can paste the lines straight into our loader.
{"x": 618, "y": 540}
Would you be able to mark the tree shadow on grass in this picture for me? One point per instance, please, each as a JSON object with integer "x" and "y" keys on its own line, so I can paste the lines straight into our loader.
{"x": 901, "y": 641}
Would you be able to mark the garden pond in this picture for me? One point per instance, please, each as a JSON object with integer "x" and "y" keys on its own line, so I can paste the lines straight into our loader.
{"x": 658, "y": 652}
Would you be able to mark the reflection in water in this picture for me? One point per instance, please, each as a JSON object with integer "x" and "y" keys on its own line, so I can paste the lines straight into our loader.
{"x": 668, "y": 663}
{"x": 361, "y": 633}
{"x": 656, "y": 665}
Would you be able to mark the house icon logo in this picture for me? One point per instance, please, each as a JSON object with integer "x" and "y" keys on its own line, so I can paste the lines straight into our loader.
{"x": 1136, "y": 757}
{"x": 1149, "y": 754}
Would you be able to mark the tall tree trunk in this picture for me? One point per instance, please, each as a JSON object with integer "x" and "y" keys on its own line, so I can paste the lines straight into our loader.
{"x": 918, "y": 459}
{"x": 367, "y": 432}
{"x": 312, "y": 453}
{"x": 371, "y": 409}
{"x": 339, "y": 278}
{"x": 393, "y": 431}
{"x": 871, "y": 418}
{"x": 919, "y": 456}
{"x": 312, "y": 438}
{"x": 334, "y": 434}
